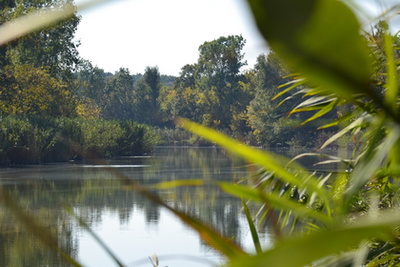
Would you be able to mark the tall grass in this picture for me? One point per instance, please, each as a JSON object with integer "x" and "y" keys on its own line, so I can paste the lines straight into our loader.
{"x": 324, "y": 219}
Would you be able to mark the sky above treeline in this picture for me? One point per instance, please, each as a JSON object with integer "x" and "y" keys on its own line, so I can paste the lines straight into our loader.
{"x": 135, "y": 34}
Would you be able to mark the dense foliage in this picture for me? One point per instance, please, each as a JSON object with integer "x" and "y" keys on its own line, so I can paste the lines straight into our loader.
{"x": 35, "y": 140}
{"x": 43, "y": 75}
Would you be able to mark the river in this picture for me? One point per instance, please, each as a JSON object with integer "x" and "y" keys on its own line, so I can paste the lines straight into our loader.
{"x": 131, "y": 226}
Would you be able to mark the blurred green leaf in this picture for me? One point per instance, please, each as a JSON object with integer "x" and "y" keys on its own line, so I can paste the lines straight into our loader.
{"x": 253, "y": 229}
{"x": 274, "y": 201}
{"x": 313, "y": 40}
{"x": 268, "y": 160}
{"x": 322, "y": 112}
{"x": 35, "y": 228}
{"x": 342, "y": 132}
{"x": 33, "y": 21}
{"x": 392, "y": 89}
{"x": 178, "y": 183}
{"x": 370, "y": 162}
{"x": 94, "y": 235}
{"x": 302, "y": 251}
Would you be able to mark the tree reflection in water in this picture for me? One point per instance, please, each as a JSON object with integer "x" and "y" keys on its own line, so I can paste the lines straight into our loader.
{"x": 94, "y": 195}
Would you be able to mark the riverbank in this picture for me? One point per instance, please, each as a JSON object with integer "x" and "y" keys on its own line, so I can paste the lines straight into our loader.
{"x": 26, "y": 140}
{"x": 39, "y": 140}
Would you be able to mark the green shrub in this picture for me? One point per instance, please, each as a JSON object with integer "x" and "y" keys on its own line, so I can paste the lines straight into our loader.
{"x": 35, "y": 140}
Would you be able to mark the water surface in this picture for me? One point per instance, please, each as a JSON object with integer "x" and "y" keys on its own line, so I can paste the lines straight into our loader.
{"x": 133, "y": 227}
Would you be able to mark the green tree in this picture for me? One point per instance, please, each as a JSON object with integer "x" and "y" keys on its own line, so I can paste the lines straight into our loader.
{"x": 92, "y": 87}
{"x": 27, "y": 90}
{"x": 147, "y": 92}
{"x": 152, "y": 78}
{"x": 218, "y": 69}
{"x": 180, "y": 99}
{"x": 262, "y": 112}
{"x": 212, "y": 91}
{"x": 48, "y": 56}
{"x": 220, "y": 60}
{"x": 120, "y": 96}
{"x": 53, "y": 46}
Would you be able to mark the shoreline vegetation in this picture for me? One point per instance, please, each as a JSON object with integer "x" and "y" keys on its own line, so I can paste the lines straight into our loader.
{"x": 40, "y": 140}
{"x": 34, "y": 140}
{"x": 102, "y": 114}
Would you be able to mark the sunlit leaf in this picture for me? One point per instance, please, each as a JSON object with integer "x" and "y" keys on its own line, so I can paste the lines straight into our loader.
{"x": 322, "y": 112}
{"x": 293, "y": 84}
{"x": 370, "y": 162}
{"x": 178, "y": 183}
{"x": 253, "y": 229}
{"x": 268, "y": 160}
{"x": 392, "y": 89}
{"x": 314, "y": 101}
{"x": 274, "y": 201}
{"x": 345, "y": 117}
{"x": 332, "y": 159}
{"x": 342, "y": 132}
{"x": 307, "y": 249}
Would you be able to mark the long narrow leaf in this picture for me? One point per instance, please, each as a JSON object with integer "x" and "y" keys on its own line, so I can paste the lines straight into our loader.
{"x": 292, "y": 86}
{"x": 274, "y": 201}
{"x": 253, "y": 229}
{"x": 345, "y": 117}
{"x": 96, "y": 237}
{"x": 178, "y": 183}
{"x": 392, "y": 78}
{"x": 297, "y": 252}
{"x": 33, "y": 21}
{"x": 266, "y": 159}
{"x": 33, "y": 227}
{"x": 322, "y": 112}
{"x": 345, "y": 130}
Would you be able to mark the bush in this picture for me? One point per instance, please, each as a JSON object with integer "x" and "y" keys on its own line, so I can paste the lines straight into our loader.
{"x": 179, "y": 137}
{"x": 36, "y": 140}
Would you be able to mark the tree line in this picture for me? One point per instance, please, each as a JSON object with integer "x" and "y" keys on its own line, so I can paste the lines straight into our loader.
{"x": 214, "y": 91}
{"x": 42, "y": 75}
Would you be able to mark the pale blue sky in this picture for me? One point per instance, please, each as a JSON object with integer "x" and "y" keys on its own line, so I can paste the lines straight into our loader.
{"x": 138, "y": 33}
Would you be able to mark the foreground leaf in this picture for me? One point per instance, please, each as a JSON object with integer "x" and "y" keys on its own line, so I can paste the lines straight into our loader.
{"x": 252, "y": 227}
{"x": 41, "y": 232}
{"x": 274, "y": 201}
{"x": 208, "y": 234}
{"x": 41, "y": 18}
{"x": 313, "y": 41}
{"x": 270, "y": 161}
{"x": 178, "y": 183}
{"x": 307, "y": 249}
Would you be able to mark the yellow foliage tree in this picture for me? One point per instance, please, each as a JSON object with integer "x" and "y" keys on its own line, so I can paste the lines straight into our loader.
{"x": 31, "y": 91}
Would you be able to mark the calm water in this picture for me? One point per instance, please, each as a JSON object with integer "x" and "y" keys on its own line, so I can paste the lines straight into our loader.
{"x": 133, "y": 227}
